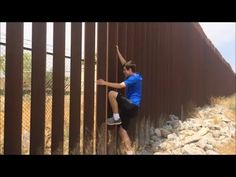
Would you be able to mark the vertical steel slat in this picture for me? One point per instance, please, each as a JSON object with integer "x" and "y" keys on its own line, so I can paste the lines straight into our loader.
{"x": 89, "y": 88}
{"x": 131, "y": 56}
{"x": 75, "y": 88}
{"x": 37, "y": 126}
{"x": 58, "y": 88}
{"x": 112, "y": 77}
{"x": 13, "y": 93}
{"x": 102, "y": 99}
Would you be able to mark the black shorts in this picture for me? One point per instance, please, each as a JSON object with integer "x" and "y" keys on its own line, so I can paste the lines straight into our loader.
{"x": 127, "y": 110}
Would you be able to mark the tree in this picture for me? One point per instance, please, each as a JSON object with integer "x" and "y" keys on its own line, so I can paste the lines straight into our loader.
{"x": 49, "y": 80}
{"x": 2, "y": 64}
{"x": 2, "y": 73}
{"x": 27, "y": 67}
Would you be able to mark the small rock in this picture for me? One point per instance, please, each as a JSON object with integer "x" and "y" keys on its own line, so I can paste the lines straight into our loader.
{"x": 211, "y": 152}
{"x": 208, "y": 147}
{"x": 181, "y": 137}
{"x": 225, "y": 119}
{"x": 163, "y": 145}
{"x": 173, "y": 117}
{"x": 202, "y": 143}
{"x": 195, "y": 129}
{"x": 146, "y": 153}
{"x": 198, "y": 125}
{"x": 158, "y": 132}
{"x": 174, "y": 123}
{"x": 226, "y": 132}
{"x": 224, "y": 141}
{"x": 185, "y": 125}
{"x": 192, "y": 150}
{"x": 170, "y": 145}
{"x": 168, "y": 127}
{"x": 232, "y": 130}
{"x": 216, "y": 133}
{"x": 203, "y": 131}
{"x": 214, "y": 127}
{"x": 208, "y": 123}
{"x": 154, "y": 138}
{"x": 210, "y": 139}
{"x": 221, "y": 137}
{"x": 164, "y": 132}
{"x": 155, "y": 146}
{"x": 178, "y": 144}
{"x": 192, "y": 139}
{"x": 224, "y": 124}
{"x": 161, "y": 153}
{"x": 201, "y": 114}
{"x": 177, "y": 151}
{"x": 172, "y": 136}
{"x": 187, "y": 132}
{"x": 151, "y": 141}
{"x": 152, "y": 131}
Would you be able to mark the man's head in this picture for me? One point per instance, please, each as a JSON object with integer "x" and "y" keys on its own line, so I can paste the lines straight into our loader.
{"x": 129, "y": 68}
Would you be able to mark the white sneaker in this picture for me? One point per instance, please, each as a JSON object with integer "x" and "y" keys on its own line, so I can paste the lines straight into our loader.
{"x": 112, "y": 121}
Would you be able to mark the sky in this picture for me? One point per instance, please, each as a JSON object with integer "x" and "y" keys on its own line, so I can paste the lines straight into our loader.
{"x": 221, "y": 34}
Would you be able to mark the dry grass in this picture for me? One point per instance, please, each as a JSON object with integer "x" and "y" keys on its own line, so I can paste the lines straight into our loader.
{"x": 48, "y": 125}
{"x": 26, "y": 124}
{"x": 26, "y": 107}
{"x": 1, "y": 123}
{"x": 230, "y": 112}
{"x": 227, "y": 102}
{"x": 228, "y": 149}
{"x": 229, "y": 105}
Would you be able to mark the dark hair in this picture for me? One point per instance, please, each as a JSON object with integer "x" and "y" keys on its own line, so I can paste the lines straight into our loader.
{"x": 130, "y": 64}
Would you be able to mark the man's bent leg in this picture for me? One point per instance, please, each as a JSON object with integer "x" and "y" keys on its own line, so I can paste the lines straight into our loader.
{"x": 115, "y": 120}
{"x": 126, "y": 140}
{"x": 112, "y": 99}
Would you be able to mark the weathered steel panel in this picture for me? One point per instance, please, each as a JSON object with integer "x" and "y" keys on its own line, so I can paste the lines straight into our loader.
{"x": 13, "y": 94}
{"x": 75, "y": 88}
{"x": 58, "y": 88}
{"x": 37, "y": 125}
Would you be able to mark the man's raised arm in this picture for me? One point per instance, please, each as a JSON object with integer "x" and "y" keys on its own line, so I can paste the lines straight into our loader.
{"x": 122, "y": 60}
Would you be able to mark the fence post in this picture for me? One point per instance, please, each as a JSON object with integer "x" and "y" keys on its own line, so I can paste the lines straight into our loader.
{"x": 58, "y": 88}
{"x": 112, "y": 77}
{"x": 75, "y": 88}
{"x": 14, "y": 78}
{"x": 89, "y": 88}
{"x": 37, "y": 126}
{"x": 102, "y": 73}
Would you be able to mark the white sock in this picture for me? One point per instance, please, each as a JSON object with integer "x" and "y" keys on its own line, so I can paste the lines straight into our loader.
{"x": 116, "y": 116}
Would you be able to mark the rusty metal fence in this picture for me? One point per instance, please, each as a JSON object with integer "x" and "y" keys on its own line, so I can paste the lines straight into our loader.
{"x": 178, "y": 63}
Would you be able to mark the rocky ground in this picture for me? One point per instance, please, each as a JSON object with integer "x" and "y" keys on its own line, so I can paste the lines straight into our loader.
{"x": 210, "y": 130}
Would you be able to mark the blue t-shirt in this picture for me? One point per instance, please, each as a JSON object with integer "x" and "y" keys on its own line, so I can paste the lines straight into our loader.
{"x": 134, "y": 88}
